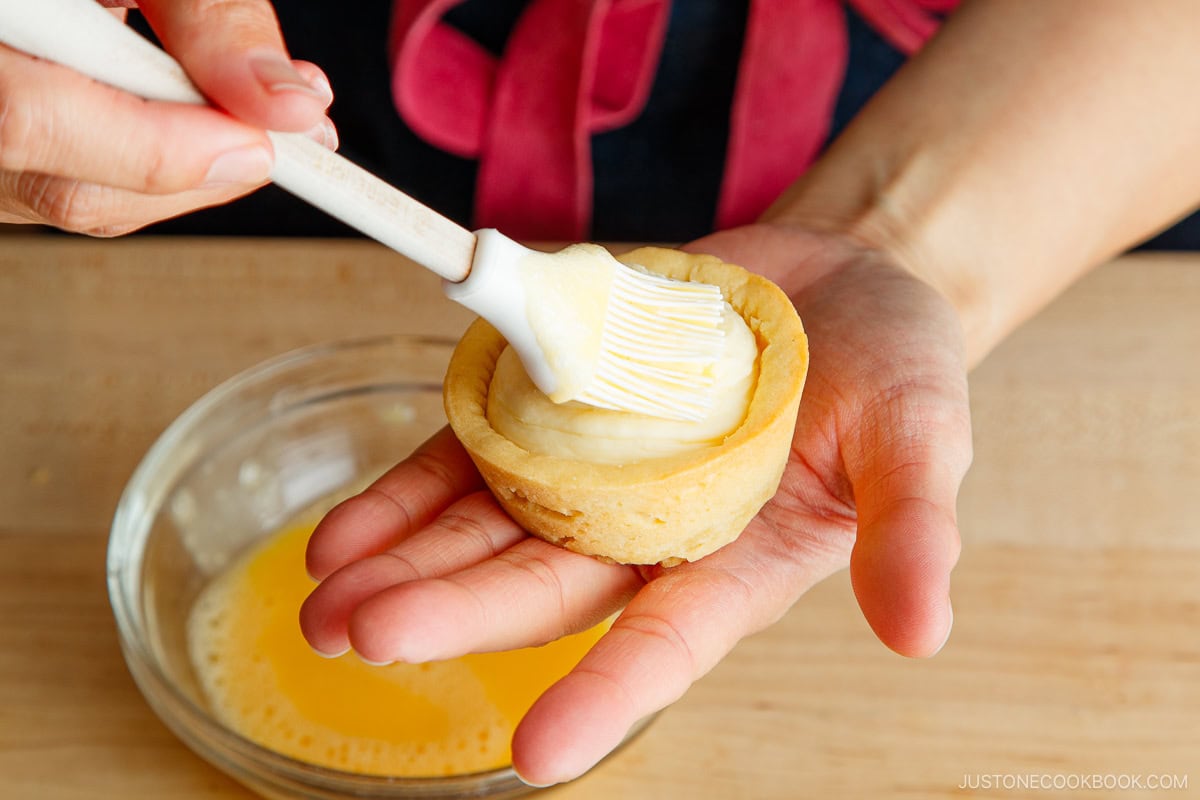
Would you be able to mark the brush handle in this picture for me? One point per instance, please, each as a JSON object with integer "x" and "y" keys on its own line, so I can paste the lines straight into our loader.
{"x": 82, "y": 35}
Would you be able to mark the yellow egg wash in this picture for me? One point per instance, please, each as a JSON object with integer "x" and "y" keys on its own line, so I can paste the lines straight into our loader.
{"x": 263, "y": 680}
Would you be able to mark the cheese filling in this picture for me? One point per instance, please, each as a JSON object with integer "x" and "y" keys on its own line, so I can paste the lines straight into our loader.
{"x": 573, "y": 430}
{"x": 577, "y": 277}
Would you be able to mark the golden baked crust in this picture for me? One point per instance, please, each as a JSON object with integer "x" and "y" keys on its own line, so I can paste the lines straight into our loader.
{"x": 664, "y": 509}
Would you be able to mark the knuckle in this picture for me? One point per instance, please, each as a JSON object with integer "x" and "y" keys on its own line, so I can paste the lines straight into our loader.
{"x": 158, "y": 158}
{"x": 667, "y": 640}
{"x": 65, "y": 203}
{"x": 376, "y": 502}
{"x": 462, "y": 525}
{"x": 543, "y": 573}
{"x": 434, "y": 467}
{"x": 546, "y": 578}
{"x": 157, "y": 176}
{"x": 45, "y": 128}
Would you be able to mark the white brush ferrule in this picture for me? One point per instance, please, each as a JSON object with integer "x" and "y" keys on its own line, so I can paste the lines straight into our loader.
{"x": 493, "y": 290}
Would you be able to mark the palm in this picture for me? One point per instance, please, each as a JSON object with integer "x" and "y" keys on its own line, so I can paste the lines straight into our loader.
{"x": 881, "y": 442}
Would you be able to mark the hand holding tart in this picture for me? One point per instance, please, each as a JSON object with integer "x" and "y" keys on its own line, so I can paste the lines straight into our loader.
{"x": 627, "y": 487}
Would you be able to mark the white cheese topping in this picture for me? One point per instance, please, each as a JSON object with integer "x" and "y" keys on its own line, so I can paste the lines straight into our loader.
{"x": 525, "y": 416}
{"x": 579, "y": 278}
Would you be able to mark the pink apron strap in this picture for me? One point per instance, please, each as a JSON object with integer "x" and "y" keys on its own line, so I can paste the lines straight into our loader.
{"x": 441, "y": 78}
{"x": 793, "y": 62}
{"x": 906, "y": 24}
{"x": 573, "y": 68}
{"x": 792, "y": 69}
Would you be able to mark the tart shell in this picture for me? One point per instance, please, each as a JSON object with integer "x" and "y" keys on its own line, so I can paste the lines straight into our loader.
{"x": 661, "y": 510}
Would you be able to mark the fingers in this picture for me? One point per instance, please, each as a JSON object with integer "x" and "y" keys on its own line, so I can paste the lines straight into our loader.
{"x": 529, "y": 594}
{"x": 234, "y": 52}
{"x": 888, "y": 388}
{"x": 88, "y": 158}
{"x": 77, "y": 178}
{"x": 674, "y": 631}
{"x": 468, "y": 532}
{"x": 900, "y": 571}
{"x": 56, "y": 121}
{"x": 97, "y": 210}
{"x": 404, "y": 500}
{"x": 493, "y": 588}
{"x": 908, "y": 540}
{"x": 324, "y": 131}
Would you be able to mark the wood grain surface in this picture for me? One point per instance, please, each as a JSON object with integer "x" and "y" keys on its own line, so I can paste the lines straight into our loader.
{"x": 1076, "y": 648}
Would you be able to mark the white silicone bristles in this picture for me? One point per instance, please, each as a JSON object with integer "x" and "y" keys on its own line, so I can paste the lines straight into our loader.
{"x": 660, "y": 344}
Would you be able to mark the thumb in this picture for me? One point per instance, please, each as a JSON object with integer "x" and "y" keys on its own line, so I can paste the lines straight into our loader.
{"x": 900, "y": 571}
{"x": 234, "y": 52}
{"x": 908, "y": 539}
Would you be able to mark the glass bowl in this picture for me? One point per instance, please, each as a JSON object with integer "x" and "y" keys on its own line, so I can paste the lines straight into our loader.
{"x": 291, "y": 435}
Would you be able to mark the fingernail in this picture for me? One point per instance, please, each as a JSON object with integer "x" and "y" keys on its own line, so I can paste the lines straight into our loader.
{"x": 277, "y": 75}
{"x": 247, "y": 165}
{"x": 949, "y": 627}
{"x": 331, "y": 655}
{"x": 371, "y": 663}
{"x": 321, "y": 84}
{"x": 324, "y": 133}
{"x": 528, "y": 782}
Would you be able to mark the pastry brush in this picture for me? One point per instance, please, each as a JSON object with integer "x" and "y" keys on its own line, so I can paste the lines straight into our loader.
{"x": 585, "y": 326}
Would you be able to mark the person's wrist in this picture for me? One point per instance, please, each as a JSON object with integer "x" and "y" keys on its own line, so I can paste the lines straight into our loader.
{"x": 872, "y": 228}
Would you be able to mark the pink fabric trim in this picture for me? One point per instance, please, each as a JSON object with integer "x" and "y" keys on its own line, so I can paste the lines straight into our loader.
{"x": 441, "y": 79}
{"x": 535, "y": 178}
{"x": 573, "y": 68}
{"x": 631, "y": 41}
{"x": 906, "y": 24}
{"x": 795, "y": 58}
